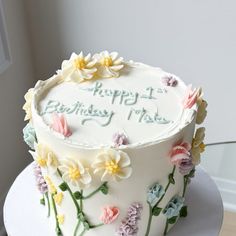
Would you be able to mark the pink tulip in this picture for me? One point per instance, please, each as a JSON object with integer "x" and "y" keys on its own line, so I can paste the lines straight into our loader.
{"x": 60, "y": 125}
{"x": 180, "y": 152}
{"x": 109, "y": 214}
{"x": 191, "y": 97}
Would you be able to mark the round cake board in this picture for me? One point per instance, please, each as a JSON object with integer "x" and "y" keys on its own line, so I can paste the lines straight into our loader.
{"x": 24, "y": 216}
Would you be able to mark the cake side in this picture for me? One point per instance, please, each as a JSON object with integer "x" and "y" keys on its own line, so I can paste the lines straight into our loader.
{"x": 126, "y": 186}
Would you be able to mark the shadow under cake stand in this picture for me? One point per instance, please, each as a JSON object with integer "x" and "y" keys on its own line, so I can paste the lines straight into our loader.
{"x": 24, "y": 216}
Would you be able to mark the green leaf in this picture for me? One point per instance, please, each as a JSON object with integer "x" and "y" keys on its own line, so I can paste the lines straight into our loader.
{"x": 63, "y": 186}
{"x": 171, "y": 179}
{"x": 78, "y": 195}
{"x": 42, "y": 201}
{"x": 172, "y": 220}
{"x": 104, "y": 188}
{"x": 184, "y": 211}
{"x": 156, "y": 211}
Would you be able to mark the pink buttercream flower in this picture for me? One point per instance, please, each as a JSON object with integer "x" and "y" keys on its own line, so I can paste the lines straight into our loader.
{"x": 180, "y": 152}
{"x": 109, "y": 214}
{"x": 60, "y": 125}
{"x": 191, "y": 97}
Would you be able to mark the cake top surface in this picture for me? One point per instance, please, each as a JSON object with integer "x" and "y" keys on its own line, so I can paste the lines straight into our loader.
{"x": 137, "y": 104}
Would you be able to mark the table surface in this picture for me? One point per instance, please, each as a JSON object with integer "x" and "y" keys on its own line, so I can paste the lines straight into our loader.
{"x": 24, "y": 216}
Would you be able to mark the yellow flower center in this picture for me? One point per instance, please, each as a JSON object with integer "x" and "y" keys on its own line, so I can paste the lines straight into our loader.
{"x": 60, "y": 219}
{"x": 79, "y": 63}
{"x": 112, "y": 167}
{"x": 52, "y": 188}
{"x": 58, "y": 198}
{"x": 41, "y": 162}
{"x": 74, "y": 173}
{"x": 202, "y": 147}
{"x": 107, "y": 61}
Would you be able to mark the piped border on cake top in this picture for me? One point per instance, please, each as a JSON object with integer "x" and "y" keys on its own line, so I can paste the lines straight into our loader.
{"x": 192, "y": 101}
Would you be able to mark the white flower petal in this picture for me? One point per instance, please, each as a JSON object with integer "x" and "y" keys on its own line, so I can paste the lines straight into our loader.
{"x": 113, "y": 55}
{"x": 125, "y": 173}
{"x": 124, "y": 160}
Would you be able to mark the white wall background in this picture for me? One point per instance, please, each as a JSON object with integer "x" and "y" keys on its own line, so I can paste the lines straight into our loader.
{"x": 195, "y": 39}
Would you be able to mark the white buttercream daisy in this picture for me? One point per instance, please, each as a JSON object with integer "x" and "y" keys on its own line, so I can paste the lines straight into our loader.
{"x": 198, "y": 145}
{"x": 110, "y": 64}
{"x": 27, "y": 106}
{"x": 44, "y": 157}
{"x": 112, "y": 164}
{"x": 75, "y": 173}
{"x": 78, "y": 68}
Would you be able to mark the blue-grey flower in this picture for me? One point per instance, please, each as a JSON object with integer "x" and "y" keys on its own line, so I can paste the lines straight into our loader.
{"x": 173, "y": 207}
{"x": 29, "y": 135}
{"x": 155, "y": 192}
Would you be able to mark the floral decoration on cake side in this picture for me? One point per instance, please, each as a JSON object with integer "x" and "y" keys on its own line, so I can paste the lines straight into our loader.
{"x": 198, "y": 145}
{"x": 44, "y": 157}
{"x": 75, "y": 173}
{"x": 27, "y": 106}
{"x": 113, "y": 165}
{"x": 29, "y": 135}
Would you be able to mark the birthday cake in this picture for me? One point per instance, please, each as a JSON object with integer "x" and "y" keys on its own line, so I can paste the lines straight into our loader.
{"x": 114, "y": 144}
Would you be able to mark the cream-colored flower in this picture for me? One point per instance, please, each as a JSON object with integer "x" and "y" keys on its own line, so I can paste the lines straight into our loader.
{"x": 44, "y": 157}
{"x": 201, "y": 112}
{"x": 61, "y": 219}
{"x": 78, "y": 68}
{"x": 112, "y": 165}
{"x": 198, "y": 145}
{"x": 27, "y": 106}
{"x": 58, "y": 197}
{"x": 75, "y": 173}
{"x": 109, "y": 64}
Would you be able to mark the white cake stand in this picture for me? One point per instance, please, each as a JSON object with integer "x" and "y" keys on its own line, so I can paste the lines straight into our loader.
{"x": 24, "y": 216}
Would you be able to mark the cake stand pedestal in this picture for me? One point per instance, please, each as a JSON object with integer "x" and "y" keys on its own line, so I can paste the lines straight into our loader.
{"x": 24, "y": 216}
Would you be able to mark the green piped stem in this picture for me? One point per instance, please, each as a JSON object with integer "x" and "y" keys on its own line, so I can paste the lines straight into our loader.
{"x": 151, "y": 208}
{"x": 83, "y": 232}
{"x": 81, "y": 201}
{"x": 96, "y": 226}
{"x": 58, "y": 230}
{"x": 94, "y": 192}
{"x": 71, "y": 194}
{"x": 185, "y": 184}
{"x": 166, "y": 227}
{"x": 48, "y": 203}
{"x": 77, "y": 227}
{"x": 149, "y": 220}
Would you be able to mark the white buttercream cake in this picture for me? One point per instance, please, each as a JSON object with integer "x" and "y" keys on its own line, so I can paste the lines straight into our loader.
{"x": 114, "y": 145}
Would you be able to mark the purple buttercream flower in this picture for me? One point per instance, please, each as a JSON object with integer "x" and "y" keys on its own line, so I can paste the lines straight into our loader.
{"x": 186, "y": 166}
{"x": 129, "y": 226}
{"x": 40, "y": 181}
{"x": 119, "y": 139}
{"x": 169, "y": 80}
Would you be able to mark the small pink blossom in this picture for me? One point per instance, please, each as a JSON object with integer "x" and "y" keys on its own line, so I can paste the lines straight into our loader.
{"x": 180, "y": 152}
{"x": 119, "y": 139}
{"x": 109, "y": 214}
{"x": 169, "y": 80}
{"x": 60, "y": 125}
{"x": 191, "y": 97}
